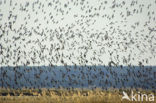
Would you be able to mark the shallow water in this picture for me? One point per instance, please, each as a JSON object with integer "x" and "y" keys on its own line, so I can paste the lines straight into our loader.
{"x": 78, "y": 77}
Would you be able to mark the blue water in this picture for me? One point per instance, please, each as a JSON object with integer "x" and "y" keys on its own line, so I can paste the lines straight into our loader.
{"x": 78, "y": 77}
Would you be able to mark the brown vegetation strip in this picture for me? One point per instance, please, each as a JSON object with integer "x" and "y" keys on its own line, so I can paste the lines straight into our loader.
{"x": 64, "y": 95}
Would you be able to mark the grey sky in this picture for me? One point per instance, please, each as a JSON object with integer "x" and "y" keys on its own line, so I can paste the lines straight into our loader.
{"x": 92, "y": 32}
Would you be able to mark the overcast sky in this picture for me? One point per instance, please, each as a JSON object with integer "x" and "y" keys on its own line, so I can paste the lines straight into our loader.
{"x": 91, "y": 32}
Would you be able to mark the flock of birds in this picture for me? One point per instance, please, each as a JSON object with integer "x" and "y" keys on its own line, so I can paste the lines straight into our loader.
{"x": 91, "y": 77}
{"x": 51, "y": 33}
